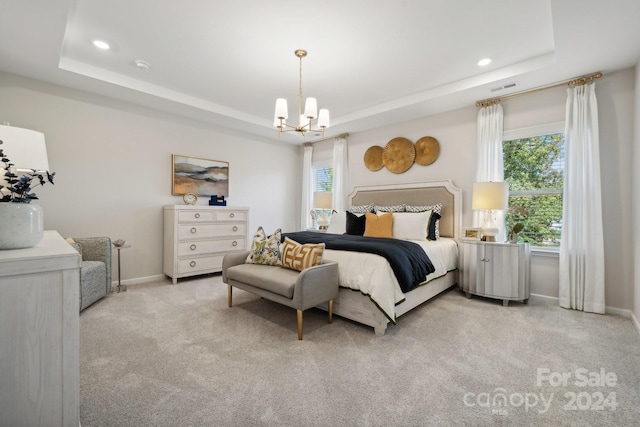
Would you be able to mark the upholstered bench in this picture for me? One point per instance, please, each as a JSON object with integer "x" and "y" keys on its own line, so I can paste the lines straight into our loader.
{"x": 297, "y": 289}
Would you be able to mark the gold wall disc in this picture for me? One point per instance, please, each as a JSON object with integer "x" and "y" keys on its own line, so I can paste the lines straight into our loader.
{"x": 427, "y": 150}
{"x": 398, "y": 155}
{"x": 373, "y": 158}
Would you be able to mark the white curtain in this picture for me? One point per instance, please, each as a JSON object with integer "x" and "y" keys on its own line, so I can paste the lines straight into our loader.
{"x": 340, "y": 174}
{"x": 307, "y": 191}
{"x": 582, "y": 246}
{"x": 490, "y": 163}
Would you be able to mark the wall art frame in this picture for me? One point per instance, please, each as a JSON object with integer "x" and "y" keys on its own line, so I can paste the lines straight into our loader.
{"x": 472, "y": 233}
{"x": 203, "y": 177}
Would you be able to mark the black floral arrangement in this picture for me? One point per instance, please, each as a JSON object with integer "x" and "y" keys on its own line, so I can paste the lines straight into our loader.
{"x": 18, "y": 189}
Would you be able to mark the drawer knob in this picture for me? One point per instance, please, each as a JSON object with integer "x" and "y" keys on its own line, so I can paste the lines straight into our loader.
{"x": 232, "y": 215}
{"x": 235, "y": 228}
{"x": 192, "y": 263}
{"x": 193, "y": 230}
{"x": 192, "y": 247}
{"x": 197, "y": 214}
{"x": 234, "y": 243}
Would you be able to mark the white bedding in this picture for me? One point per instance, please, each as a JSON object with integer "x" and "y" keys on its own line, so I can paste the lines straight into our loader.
{"x": 372, "y": 275}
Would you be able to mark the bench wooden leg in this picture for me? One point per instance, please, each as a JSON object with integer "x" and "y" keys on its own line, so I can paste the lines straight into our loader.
{"x": 330, "y": 311}
{"x": 299, "y": 324}
{"x": 229, "y": 295}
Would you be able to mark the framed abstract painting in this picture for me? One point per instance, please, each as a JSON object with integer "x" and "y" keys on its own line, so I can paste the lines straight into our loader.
{"x": 203, "y": 177}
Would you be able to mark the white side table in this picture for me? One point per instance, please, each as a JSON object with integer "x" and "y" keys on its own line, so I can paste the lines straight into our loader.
{"x": 120, "y": 285}
{"x": 495, "y": 270}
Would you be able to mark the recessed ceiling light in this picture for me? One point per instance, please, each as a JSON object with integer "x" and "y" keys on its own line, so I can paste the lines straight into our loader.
{"x": 143, "y": 65}
{"x": 484, "y": 62}
{"x": 101, "y": 44}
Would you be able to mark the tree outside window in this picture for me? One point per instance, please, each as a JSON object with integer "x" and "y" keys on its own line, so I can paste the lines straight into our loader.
{"x": 534, "y": 169}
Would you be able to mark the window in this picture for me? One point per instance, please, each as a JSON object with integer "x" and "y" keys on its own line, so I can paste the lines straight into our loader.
{"x": 534, "y": 169}
{"x": 322, "y": 180}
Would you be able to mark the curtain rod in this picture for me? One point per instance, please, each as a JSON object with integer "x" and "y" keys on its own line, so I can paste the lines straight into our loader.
{"x": 342, "y": 135}
{"x": 575, "y": 82}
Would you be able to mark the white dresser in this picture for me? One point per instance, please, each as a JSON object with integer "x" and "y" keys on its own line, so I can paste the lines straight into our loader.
{"x": 39, "y": 334}
{"x": 495, "y": 270}
{"x": 196, "y": 238}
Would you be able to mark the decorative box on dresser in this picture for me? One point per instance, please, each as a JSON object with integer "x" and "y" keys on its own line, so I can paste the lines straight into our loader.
{"x": 495, "y": 270}
{"x": 196, "y": 238}
{"x": 39, "y": 334}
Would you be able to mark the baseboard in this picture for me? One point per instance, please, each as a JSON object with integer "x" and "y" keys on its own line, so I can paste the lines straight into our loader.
{"x": 608, "y": 310}
{"x": 139, "y": 280}
{"x": 542, "y": 297}
{"x": 636, "y": 323}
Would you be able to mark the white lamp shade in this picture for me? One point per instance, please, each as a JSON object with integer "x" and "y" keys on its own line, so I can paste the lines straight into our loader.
{"x": 322, "y": 200}
{"x": 323, "y": 118}
{"x": 490, "y": 195}
{"x": 311, "y": 108}
{"x": 282, "y": 112}
{"x": 25, "y": 148}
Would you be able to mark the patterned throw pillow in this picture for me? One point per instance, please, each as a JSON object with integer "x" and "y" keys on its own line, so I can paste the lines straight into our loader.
{"x": 396, "y": 208}
{"x": 296, "y": 256}
{"x": 434, "y": 231}
{"x": 435, "y": 219}
{"x": 379, "y": 226}
{"x": 265, "y": 250}
{"x": 75, "y": 246}
{"x": 361, "y": 209}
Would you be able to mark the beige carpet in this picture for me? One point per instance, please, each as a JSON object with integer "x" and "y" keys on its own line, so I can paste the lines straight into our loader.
{"x": 165, "y": 355}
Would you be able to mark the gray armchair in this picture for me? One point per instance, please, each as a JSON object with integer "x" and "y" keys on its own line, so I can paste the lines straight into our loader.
{"x": 95, "y": 271}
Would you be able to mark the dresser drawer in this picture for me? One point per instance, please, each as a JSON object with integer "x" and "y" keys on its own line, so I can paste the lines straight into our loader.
{"x": 196, "y": 216}
{"x": 228, "y": 215}
{"x": 199, "y": 264}
{"x": 209, "y": 246}
{"x": 205, "y": 231}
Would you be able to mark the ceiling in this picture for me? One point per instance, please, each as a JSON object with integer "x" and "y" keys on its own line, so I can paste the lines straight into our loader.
{"x": 370, "y": 62}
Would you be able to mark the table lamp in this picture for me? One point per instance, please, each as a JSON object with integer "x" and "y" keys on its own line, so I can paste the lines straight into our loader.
{"x": 490, "y": 196}
{"x": 25, "y": 148}
{"x": 323, "y": 200}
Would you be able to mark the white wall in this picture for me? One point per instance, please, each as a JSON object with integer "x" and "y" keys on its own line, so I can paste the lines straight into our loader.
{"x": 113, "y": 164}
{"x": 113, "y": 167}
{"x": 456, "y": 132}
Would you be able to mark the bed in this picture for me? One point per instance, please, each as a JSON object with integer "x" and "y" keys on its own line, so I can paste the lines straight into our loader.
{"x": 361, "y": 302}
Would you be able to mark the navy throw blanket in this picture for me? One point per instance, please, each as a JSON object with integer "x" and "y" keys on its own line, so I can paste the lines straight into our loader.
{"x": 408, "y": 260}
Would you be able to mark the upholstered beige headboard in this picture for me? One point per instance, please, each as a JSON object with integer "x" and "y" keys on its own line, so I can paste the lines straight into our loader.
{"x": 421, "y": 193}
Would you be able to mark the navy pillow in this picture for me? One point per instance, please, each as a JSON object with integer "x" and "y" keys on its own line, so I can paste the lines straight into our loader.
{"x": 431, "y": 234}
{"x": 355, "y": 224}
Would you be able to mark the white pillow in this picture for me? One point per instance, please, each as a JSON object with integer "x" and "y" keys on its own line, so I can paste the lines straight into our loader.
{"x": 411, "y": 225}
{"x": 338, "y": 224}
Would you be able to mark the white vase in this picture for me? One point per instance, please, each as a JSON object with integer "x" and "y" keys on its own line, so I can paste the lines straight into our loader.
{"x": 21, "y": 225}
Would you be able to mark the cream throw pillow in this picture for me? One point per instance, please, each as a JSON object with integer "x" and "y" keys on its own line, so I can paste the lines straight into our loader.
{"x": 411, "y": 226}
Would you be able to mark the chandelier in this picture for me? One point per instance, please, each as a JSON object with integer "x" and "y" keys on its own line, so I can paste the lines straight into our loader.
{"x": 305, "y": 123}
